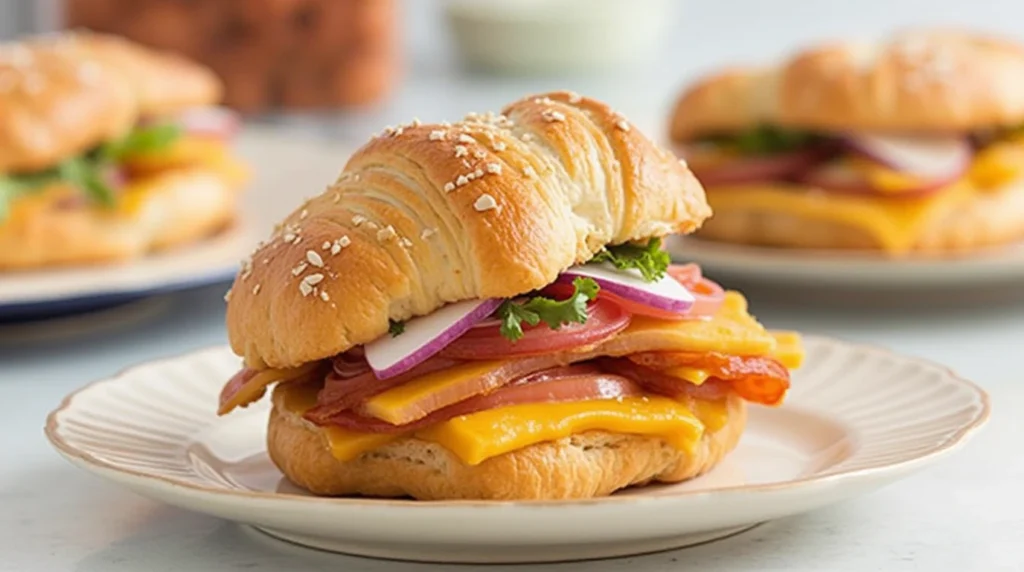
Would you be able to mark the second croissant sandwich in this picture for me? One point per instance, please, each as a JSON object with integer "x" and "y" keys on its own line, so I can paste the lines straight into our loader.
{"x": 108, "y": 151}
{"x": 481, "y": 310}
{"x": 911, "y": 146}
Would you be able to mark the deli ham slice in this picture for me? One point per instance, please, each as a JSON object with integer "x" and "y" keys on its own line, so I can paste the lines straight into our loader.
{"x": 561, "y": 384}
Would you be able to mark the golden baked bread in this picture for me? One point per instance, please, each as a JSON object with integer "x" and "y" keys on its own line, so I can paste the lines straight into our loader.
{"x": 52, "y": 228}
{"x": 939, "y": 80}
{"x": 164, "y": 83}
{"x": 54, "y": 103}
{"x": 424, "y": 215}
{"x": 585, "y": 465}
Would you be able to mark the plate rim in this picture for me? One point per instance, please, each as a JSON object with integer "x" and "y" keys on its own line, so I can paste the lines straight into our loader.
{"x": 992, "y": 266}
{"x": 85, "y": 459}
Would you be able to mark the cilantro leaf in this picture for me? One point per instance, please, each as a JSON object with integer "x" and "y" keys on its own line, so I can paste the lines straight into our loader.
{"x": 86, "y": 175}
{"x": 649, "y": 259}
{"x": 139, "y": 141}
{"x": 554, "y": 313}
{"x": 396, "y": 328}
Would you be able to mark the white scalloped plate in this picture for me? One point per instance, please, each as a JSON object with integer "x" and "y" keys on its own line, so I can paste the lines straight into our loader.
{"x": 857, "y": 418}
{"x": 851, "y": 270}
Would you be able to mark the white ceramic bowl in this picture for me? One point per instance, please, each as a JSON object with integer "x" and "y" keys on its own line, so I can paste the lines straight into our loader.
{"x": 546, "y": 36}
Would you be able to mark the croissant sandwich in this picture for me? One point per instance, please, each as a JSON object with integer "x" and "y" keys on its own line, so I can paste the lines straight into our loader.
{"x": 108, "y": 150}
{"x": 909, "y": 147}
{"x": 481, "y": 310}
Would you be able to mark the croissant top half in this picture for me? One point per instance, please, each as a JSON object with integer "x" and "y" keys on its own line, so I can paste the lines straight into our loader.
{"x": 424, "y": 215}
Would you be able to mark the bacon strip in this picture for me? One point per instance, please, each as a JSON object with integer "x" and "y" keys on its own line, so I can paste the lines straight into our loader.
{"x": 760, "y": 379}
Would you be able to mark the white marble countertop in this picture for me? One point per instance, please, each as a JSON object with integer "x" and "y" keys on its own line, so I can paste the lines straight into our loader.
{"x": 966, "y": 513}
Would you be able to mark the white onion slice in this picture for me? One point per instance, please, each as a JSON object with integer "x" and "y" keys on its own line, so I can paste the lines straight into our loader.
{"x": 931, "y": 157}
{"x": 212, "y": 121}
{"x": 664, "y": 294}
{"x": 425, "y": 336}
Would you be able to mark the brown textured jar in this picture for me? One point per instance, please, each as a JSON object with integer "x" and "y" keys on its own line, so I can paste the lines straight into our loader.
{"x": 271, "y": 53}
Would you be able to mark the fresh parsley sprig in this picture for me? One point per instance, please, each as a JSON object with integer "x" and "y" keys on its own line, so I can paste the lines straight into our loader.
{"x": 396, "y": 328}
{"x": 765, "y": 140}
{"x": 649, "y": 259}
{"x": 554, "y": 313}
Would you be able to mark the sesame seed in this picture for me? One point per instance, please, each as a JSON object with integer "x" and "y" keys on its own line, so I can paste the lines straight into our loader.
{"x": 288, "y": 237}
{"x": 306, "y": 289}
{"x": 372, "y": 225}
{"x": 478, "y": 173}
{"x": 405, "y": 242}
{"x": 527, "y": 137}
{"x": 623, "y": 125}
{"x": 313, "y": 279}
{"x": 529, "y": 172}
{"x": 480, "y": 154}
{"x": 386, "y": 233}
{"x": 314, "y": 258}
{"x": 266, "y": 261}
{"x": 461, "y": 151}
{"x": 485, "y": 202}
{"x": 326, "y": 245}
{"x": 415, "y": 122}
{"x": 227, "y": 295}
{"x": 299, "y": 269}
{"x": 470, "y": 176}
{"x": 449, "y": 187}
{"x": 358, "y": 220}
{"x": 256, "y": 289}
{"x": 466, "y": 164}
{"x": 550, "y": 115}
{"x": 246, "y": 268}
{"x": 683, "y": 162}
{"x": 324, "y": 296}
{"x": 463, "y": 138}
{"x": 461, "y": 180}
{"x": 337, "y": 197}
{"x": 494, "y": 168}
{"x": 344, "y": 241}
{"x": 303, "y": 214}
{"x": 437, "y": 135}
{"x": 427, "y": 233}
{"x": 499, "y": 146}
{"x": 575, "y": 97}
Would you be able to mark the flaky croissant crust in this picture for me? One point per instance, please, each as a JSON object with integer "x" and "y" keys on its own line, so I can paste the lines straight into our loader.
{"x": 424, "y": 215}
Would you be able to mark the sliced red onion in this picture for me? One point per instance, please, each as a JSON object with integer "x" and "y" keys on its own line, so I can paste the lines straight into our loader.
{"x": 937, "y": 157}
{"x": 425, "y": 336}
{"x": 211, "y": 121}
{"x": 348, "y": 365}
{"x": 757, "y": 169}
{"x": 665, "y": 294}
{"x": 841, "y": 177}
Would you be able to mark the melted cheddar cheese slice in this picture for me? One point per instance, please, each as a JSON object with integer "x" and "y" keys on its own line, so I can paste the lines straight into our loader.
{"x": 480, "y": 436}
{"x": 477, "y": 437}
{"x": 731, "y": 331}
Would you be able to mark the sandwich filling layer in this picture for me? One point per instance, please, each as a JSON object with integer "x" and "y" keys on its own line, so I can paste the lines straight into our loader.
{"x": 656, "y": 375}
{"x": 889, "y": 187}
{"x": 117, "y": 177}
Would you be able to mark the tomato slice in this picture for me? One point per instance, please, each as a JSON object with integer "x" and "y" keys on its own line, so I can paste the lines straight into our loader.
{"x": 605, "y": 319}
